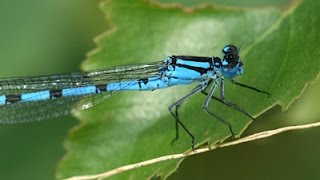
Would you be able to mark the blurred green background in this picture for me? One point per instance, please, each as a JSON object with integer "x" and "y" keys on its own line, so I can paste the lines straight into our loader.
{"x": 50, "y": 36}
{"x": 39, "y": 37}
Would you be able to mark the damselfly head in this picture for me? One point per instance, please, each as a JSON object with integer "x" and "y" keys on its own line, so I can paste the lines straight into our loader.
{"x": 230, "y": 56}
{"x": 231, "y": 64}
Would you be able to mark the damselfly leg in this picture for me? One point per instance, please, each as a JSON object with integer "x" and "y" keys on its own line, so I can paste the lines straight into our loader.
{"x": 175, "y": 106}
{"x": 222, "y": 99}
{"x": 250, "y": 87}
{"x": 206, "y": 104}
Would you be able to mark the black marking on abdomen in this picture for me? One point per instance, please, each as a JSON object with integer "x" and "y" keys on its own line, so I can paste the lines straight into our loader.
{"x": 145, "y": 80}
{"x": 13, "y": 98}
{"x": 57, "y": 93}
{"x": 101, "y": 88}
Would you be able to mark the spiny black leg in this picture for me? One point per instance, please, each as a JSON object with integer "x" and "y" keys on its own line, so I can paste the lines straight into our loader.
{"x": 175, "y": 115}
{"x": 206, "y": 104}
{"x": 230, "y": 104}
{"x": 225, "y": 102}
{"x": 221, "y": 120}
{"x": 177, "y": 125}
{"x": 250, "y": 87}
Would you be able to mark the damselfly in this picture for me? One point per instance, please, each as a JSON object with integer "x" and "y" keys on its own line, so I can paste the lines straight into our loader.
{"x": 26, "y": 99}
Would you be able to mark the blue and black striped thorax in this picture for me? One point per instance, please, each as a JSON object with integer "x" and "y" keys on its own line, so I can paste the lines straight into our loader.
{"x": 192, "y": 67}
{"x": 197, "y": 68}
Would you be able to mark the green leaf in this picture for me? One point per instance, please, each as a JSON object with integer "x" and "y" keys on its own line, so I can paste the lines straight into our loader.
{"x": 242, "y": 3}
{"x": 280, "y": 54}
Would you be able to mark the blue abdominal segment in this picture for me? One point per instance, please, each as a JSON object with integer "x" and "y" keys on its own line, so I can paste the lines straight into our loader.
{"x": 2, "y": 100}
{"x": 79, "y": 91}
{"x": 151, "y": 83}
{"x": 35, "y": 96}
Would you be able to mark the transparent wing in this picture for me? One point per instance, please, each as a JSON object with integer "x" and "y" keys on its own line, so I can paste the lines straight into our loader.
{"x": 46, "y": 109}
{"x": 18, "y": 85}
